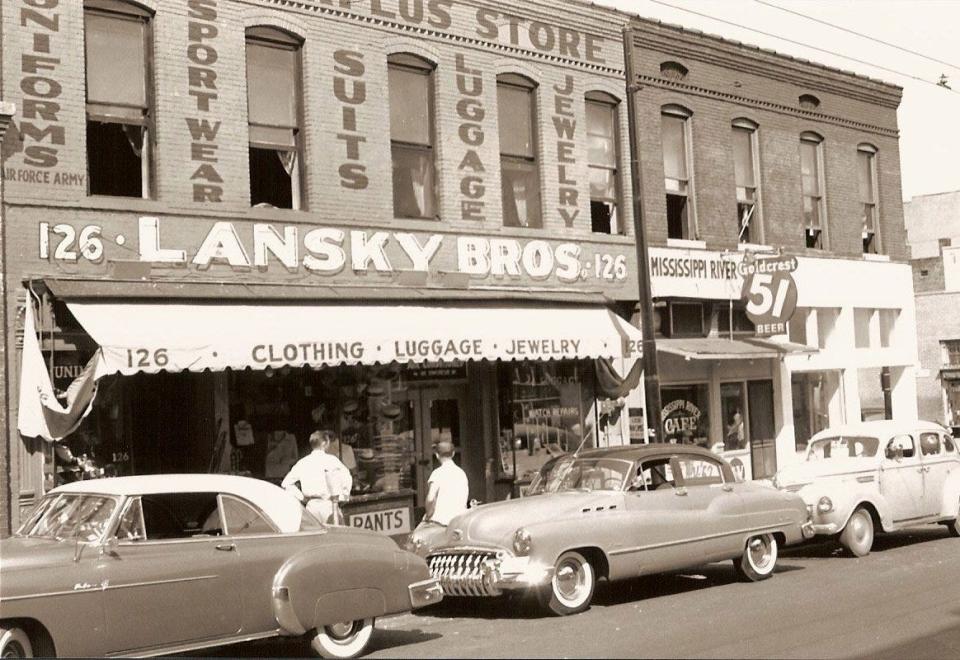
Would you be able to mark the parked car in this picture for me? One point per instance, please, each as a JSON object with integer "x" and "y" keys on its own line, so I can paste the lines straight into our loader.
{"x": 161, "y": 564}
{"x": 615, "y": 513}
{"x": 877, "y": 476}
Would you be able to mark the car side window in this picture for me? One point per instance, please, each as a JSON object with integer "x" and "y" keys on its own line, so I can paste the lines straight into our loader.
{"x": 948, "y": 444}
{"x": 699, "y": 471}
{"x": 180, "y": 515}
{"x": 653, "y": 475}
{"x": 131, "y": 526}
{"x": 903, "y": 443}
{"x": 930, "y": 444}
{"x": 242, "y": 519}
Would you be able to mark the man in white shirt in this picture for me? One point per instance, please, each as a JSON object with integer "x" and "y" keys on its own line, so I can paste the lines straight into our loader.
{"x": 324, "y": 480}
{"x": 448, "y": 489}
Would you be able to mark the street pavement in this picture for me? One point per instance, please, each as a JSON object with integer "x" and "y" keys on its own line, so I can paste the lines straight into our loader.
{"x": 901, "y": 601}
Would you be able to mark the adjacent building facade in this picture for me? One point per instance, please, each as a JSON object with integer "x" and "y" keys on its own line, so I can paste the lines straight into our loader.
{"x": 229, "y": 224}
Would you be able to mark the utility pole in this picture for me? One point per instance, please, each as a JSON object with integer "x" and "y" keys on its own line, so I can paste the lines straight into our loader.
{"x": 651, "y": 373}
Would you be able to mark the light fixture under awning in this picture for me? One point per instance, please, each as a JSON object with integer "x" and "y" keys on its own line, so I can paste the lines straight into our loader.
{"x": 152, "y": 337}
{"x": 718, "y": 348}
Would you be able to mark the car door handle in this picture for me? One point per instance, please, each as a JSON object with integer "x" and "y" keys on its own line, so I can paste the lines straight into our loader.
{"x": 680, "y": 491}
{"x": 225, "y": 547}
{"x": 728, "y": 488}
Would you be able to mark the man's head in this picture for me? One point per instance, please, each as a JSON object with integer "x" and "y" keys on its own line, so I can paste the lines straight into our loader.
{"x": 444, "y": 450}
{"x": 321, "y": 439}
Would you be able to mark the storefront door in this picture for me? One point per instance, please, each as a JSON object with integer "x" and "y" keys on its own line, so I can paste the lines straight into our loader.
{"x": 437, "y": 414}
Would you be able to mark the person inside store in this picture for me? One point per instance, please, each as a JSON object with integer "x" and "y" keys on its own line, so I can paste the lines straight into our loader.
{"x": 323, "y": 480}
{"x": 735, "y": 438}
{"x": 447, "y": 488}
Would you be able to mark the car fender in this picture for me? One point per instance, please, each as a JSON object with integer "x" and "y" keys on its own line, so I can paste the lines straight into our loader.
{"x": 845, "y": 502}
{"x": 342, "y": 581}
{"x": 951, "y": 494}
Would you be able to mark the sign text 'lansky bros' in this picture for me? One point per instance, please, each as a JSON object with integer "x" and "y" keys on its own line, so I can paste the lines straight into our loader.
{"x": 330, "y": 250}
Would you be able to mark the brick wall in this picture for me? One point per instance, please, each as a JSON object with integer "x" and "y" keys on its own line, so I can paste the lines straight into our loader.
{"x": 928, "y": 274}
{"x": 728, "y": 80}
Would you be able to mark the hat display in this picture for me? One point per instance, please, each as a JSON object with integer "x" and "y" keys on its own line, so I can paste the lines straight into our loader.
{"x": 350, "y": 406}
{"x": 391, "y": 410}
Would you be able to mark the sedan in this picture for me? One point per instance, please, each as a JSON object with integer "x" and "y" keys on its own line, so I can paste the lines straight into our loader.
{"x": 615, "y": 514}
{"x": 163, "y": 564}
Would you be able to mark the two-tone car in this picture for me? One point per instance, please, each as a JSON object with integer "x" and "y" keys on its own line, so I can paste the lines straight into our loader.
{"x": 614, "y": 514}
{"x": 163, "y": 564}
{"x": 862, "y": 478}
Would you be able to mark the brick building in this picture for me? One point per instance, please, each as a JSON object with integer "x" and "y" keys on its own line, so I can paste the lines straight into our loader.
{"x": 230, "y": 215}
{"x": 747, "y": 153}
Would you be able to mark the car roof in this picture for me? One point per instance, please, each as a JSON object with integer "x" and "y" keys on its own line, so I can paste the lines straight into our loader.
{"x": 279, "y": 505}
{"x": 879, "y": 428}
{"x": 637, "y": 452}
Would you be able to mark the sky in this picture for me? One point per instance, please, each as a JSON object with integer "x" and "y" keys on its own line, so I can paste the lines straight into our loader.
{"x": 929, "y": 116}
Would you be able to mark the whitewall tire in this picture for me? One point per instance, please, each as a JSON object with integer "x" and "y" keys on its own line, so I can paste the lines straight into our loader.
{"x": 342, "y": 640}
{"x": 759, "y": 558}
{"x": 14, "y": 643}
{"x": 857, "y": 535}
{"x": 570, "y": 589}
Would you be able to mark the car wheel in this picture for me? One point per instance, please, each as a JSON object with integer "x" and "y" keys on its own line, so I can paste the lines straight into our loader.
{"x": 14, "y": 643}
{"x": 857, "y": 536}
{"x": 346, "y": 639}
{"x": 759, "y": 558}
{"x": 570, "y": 590}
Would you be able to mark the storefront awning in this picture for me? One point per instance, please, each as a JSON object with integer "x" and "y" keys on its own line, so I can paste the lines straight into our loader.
{"x": 152, "y": 337}
{"x": 718, "y": 348}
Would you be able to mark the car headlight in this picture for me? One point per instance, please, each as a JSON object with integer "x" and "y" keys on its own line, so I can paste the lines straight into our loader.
{"x": 521, "y": 542}
{"x": 825, "y": 505}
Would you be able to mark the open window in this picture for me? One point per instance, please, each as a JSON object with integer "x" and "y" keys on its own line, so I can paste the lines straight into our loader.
{"x": 811, "y": 173}
{"x": 747, "y": 184}
{"x": 603, "y": 163}
{"x": 273, "y": 115}
{"x": 519, "y": 168}
{"x": 867, "y": 186}
{"x": 181, "y": 515}
{"x": 118, "y": 107}
{"x": 654, "y": 474}
{"x": 900, "y": 446}
{"x": 678, "y": 180}
{"x": 412, "y": 136}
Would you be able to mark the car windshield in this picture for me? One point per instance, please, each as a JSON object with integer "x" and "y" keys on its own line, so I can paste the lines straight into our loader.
{"x": 843, "y": 446}
{"x": 69, "y": 515}
{"x": 582, "y": 474}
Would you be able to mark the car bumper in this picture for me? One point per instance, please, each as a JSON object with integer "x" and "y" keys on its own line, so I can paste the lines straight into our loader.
{"x": 425, "y": 592}
{"x": 808, "y": 529}
{"x": 473, "y": 572}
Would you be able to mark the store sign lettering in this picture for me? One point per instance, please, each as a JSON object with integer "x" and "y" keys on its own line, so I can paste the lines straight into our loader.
{"x": 771, "y": 293}
{"x": 388, "y": 521}
{"x": 680, "y": 416}
{"x": 471, "y": 110}
{"x": 351, "y": 91}
{"x": 202, "y": 54}
{"x": 566, "y": 126}
{"x": 329, "y": 250}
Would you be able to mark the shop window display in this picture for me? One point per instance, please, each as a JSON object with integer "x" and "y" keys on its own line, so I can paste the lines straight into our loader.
{"x": 546, "y": 409}
{"x": 684, "y": 414}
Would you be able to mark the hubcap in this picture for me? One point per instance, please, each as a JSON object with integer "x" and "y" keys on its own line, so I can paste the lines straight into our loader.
{"x": 14, "y": 650}
{"x": 340, "y": 630}
{"x": 570, "y": 580}
{"x": 861, "y": 531}
{"x": 760, "y": 553}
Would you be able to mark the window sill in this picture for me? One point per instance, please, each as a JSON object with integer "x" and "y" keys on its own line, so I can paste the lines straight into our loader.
{"x": 755, "y": 247}
{"x": 876, "y": 257}
{"x": 686, "y": 243}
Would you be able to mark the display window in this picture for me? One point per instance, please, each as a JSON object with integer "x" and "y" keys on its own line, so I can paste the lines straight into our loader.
{"x": 685, "y": 414}
{"x": 546, "y": 409}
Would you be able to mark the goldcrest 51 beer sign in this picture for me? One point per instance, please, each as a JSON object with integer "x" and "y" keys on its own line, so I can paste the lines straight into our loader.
{"x": 770, "y": 292}
{"x": 328, "y": 251}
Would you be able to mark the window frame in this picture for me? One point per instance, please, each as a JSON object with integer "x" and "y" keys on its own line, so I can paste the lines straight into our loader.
{"x": 420, "y": 65}
{"x": 222, "y": 497}
{"x": 611, "y": 104}
{"x": 871, "y": 234}
{"x": 821, "y": 242}
{"x": 274, "y": 37}
{"x": 684, "y": 188}
{"x": 681, "y": 479}
{"x": 518, "y": 81}
{"x": 951, "y": 352}
{"x": 752, "y": 129}
{"x": 100, "y": 112}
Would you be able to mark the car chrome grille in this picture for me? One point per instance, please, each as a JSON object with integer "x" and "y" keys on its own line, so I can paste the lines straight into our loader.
{"x": 465, "y": 572}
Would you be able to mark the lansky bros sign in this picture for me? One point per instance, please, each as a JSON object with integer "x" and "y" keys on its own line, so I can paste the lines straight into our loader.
{"x": 328, "y": 251}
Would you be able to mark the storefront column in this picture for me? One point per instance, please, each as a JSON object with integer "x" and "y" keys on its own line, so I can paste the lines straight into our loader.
{"x": 783, "y": 415}
{"x": 7, "y": 351}
{"x": 717, "y": 430}
{"x": 850, "y": 413}
{"x": 903, "y": 386}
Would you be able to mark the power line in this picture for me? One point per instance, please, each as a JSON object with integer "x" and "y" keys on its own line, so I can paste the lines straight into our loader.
{"x": 854, "y": 32}
{"x": 805, "y": 45}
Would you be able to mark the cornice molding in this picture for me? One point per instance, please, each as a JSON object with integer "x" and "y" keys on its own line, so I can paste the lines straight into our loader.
{"x": 760, "y": 104}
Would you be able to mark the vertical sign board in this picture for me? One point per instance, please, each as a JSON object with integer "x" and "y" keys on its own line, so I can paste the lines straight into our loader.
{"x": 770, "y": 292}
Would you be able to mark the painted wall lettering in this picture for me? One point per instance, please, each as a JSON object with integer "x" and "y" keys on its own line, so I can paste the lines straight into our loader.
{"x": 471, "y": 111}
{"x": 202, "y": 55}
{"x": 351, "y": 90}
{"x": 566, "y": 127}
{"x": 517, "y": 31}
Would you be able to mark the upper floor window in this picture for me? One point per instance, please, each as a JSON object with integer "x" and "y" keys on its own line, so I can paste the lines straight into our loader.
{"x": 603, "y": 157}
{"x": 951, "y": 349}
{"x": 273, "y": 114}
{"x": 675, "y": 129}
{"x": 745, "y": 175}
{"x": 411, "y": 136}
{"x": 119, "y": 116}
{"x": 811, "y": 172}
{"x": 520, "y": 173}
{"x": 867, "y": 184}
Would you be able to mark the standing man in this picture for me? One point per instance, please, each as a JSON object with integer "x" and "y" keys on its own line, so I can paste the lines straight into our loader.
{"x": 448, "y": 489}
{"x": 324, "y": 480}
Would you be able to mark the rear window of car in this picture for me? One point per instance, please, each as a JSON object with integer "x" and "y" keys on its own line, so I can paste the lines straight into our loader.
{"x": 180, "y": 515}
{"x": 948, "y": 444}
{"x": 843, "y": 446}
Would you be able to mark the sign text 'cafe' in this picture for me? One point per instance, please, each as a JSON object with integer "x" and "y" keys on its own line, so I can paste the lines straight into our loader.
{"x": 329, "y": 250}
